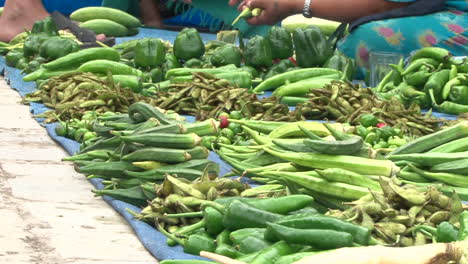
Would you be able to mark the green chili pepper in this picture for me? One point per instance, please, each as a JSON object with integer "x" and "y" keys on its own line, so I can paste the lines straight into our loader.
{"x": 241, "y": 215}
{"x": 241, "y": 234}
{"x": 252, "y": 244}
{"x": 435, "y": 84}
{"x": 258, "y": 53}
{"x": 317, "y": 238}
{"x": 281, "y": 43}
{"x": 270, "y": 254}
{"x": 188, "y": 44}
{"x": 228, "y": 251}
{"x": 448, "y": 87}
{"x": 311, "y": 47}
{"x": 149, "y": 52}
{"x": 360, "y": 234}
{"x": 417, "y": 79}
{"x": 225, "y": 55}
{"x": 415, "y": 65}
{"x": 194, "y": 244}
{"x": 452, "y": 108}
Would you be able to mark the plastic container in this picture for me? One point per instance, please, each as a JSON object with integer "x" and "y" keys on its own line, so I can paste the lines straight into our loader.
{"x": 379, "y": 65}
{"x": 64, "y": 7}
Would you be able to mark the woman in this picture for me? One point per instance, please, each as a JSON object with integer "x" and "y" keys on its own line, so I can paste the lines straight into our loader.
{"x": 447, "y": 28}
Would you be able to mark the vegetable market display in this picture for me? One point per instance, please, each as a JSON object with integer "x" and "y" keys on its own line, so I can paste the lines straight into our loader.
{"x": 370, "y": 169}
{"x": 433, "y": 78}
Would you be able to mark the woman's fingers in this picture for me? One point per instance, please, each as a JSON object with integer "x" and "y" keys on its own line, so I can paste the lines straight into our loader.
{"x": 234, "y": 2}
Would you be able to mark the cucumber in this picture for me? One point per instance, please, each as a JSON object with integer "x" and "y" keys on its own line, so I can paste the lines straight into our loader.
{"x": 430, "y": 159}
{"x": 164, "y": 140}
{"x": 431, "y": 141}
{"x": 75, "y": 59}
{"x": 116, "y": 15}
{"x": 141, "y": 112}
{"x": 458, "y": 145}
{"x": 112, "y": 169}
{"x": 158, "y": 154}
{"x": 456, "y": 166}
{"x": 106, "y": 27}
{"x": 342, "y": 147}
{"x": 104, "y": 66}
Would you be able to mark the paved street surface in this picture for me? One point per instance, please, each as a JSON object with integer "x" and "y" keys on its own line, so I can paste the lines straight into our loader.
{"x": 47, "y": 211}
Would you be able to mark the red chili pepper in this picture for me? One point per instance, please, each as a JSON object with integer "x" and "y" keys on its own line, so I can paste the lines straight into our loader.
{"x": 293, "y": 60}
{"x": 224, "y": 122}
{"x": 380, "y": 125}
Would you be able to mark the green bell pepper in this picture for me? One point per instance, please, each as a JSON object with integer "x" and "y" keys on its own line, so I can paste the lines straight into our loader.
{"x": 341, "y": 63}
{"x": 188, "y": 44}
{"x": 281, "y": 43}
{"x": 155, "y": 75}
{"x": 311, "y": 46}
{"x": 149, "y": 52}
{"x": 46, "y": 26}
{"x": 257, "y": 52}
{"x": 459, "y": 94}
{"x": 32, "y": 44}
{"x": 12, "y": 57}
{"x": 225, "y": 55}
{"x": 193, "y": 63}
{"x": 57, "y": 47}
{"x": 171, "y": 63}
{"x": 280, "y": 67}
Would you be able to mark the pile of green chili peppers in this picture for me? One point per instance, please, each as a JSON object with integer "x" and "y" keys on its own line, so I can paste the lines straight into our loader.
{"x": 266, "y": 231}
{"x": 433, "y": 79}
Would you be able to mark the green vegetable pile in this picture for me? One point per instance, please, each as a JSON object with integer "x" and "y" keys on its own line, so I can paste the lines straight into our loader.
{"x": 401, "y": 216}
{"x": 72, "y": 94}
{"x": 433, "y": 79}
{"x": 347, "y": 103}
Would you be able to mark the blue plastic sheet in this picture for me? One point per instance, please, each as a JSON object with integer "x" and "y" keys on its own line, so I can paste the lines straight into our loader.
{"x": 154, "y": 241}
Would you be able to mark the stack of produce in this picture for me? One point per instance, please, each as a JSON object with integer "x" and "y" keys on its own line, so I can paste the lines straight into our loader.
{"x": 29, "y": 50}
{"x": 207, "y": 96}
{"x": 346, "y": 103}
{"x": 439, "y": 157}
{"x": 433, "y": 78}
{"x": 379, "y": 135}
{"x": 143, "y": 146}
{"x": 406, "y": 216}
{"x": 108, "y": 21}
{"x": 72, "y": 94}
{"x": 179, "y": 196}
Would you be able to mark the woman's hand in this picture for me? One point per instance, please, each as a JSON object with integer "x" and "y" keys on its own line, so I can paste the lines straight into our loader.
{"x": 273, "y": 11}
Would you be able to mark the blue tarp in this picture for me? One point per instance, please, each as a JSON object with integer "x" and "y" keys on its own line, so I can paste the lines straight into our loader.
{"x": 153, "y": 240}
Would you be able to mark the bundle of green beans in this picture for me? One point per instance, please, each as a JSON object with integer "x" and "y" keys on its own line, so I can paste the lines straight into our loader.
{"x": 139, "y": 148}
{"x": 71, "y": 95}
{"x": 206, "y": 96}
{"x": 346, "y": 103}
{"x": 433, "y": 79}
{"x": 401, "y": 215}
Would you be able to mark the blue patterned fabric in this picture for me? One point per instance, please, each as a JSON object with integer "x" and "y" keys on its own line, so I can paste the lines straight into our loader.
{"x": 447, "y": 29}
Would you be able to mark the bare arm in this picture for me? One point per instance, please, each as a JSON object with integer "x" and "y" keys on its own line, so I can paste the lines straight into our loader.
{"x": 337, "y": 10}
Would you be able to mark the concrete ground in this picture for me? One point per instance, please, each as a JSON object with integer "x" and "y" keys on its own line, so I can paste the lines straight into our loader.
{"x": 48, "y": 214}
